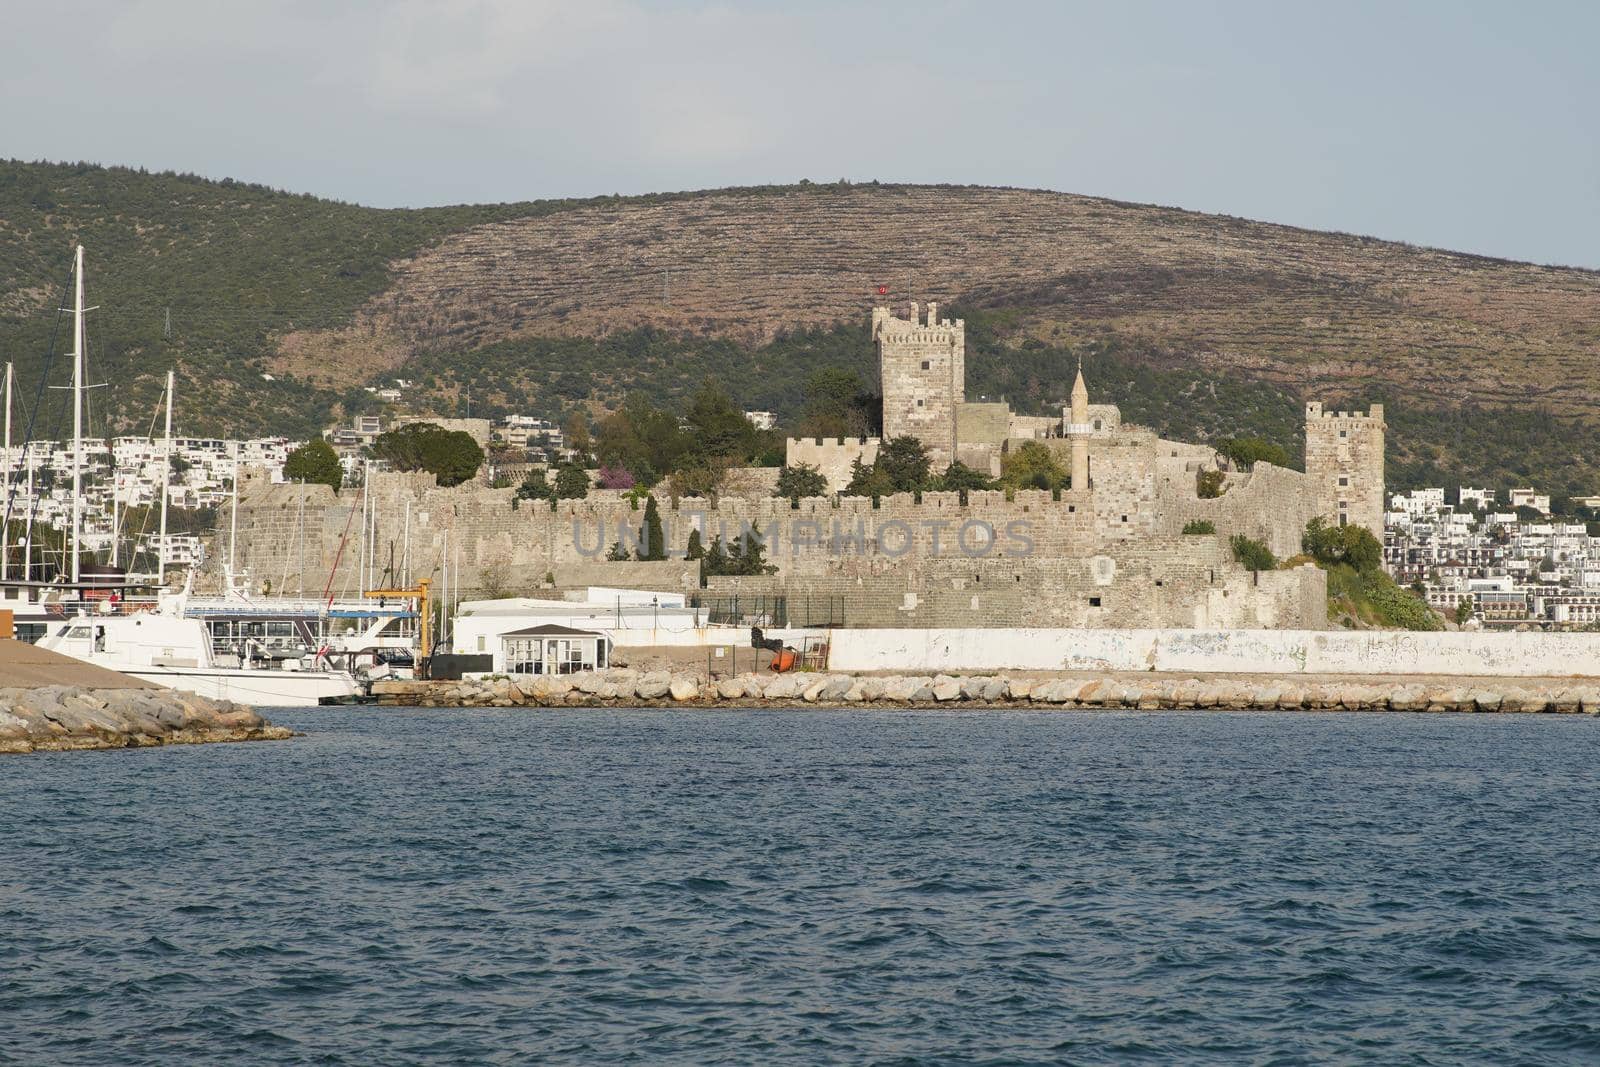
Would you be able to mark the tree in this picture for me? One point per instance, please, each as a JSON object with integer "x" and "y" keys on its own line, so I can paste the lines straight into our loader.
{"x": 577, "y": 434}
{"x": 1208, "y": 484}
{"x": 1032, "y": 465}
{"x": 834, "y": 405}
{"x": 615, "y": 478}
{"x": 695, "y": 549}
{"x": 1196, "y": 527}
{"x": 1333, "y": 545}
{"x": 572, "y": 482}
{"x": 617, "y": 554}
{"x": 958, "y": 477}
{"x": 1245, "y": 452}
{"x": 904, "y": 461}
{"x": 1252, "y": 553}
{"x": 652, "y": 541}
{"x": 1463, "y": 611}
{"x": 535, "y": 486}
{"x": 717, "y": 428}
{"x": 743, "y": 556}
{"x": 801, "y": 480}
{"x": 866, "y": 479}
{"x": 451, "y": 456}
{"x": 314, "y": 462}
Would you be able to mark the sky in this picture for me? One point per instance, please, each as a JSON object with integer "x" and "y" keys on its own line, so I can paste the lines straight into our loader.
{"x": 1451, "y": 123}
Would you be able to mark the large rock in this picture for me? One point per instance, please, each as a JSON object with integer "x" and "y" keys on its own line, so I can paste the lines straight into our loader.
{"x": 654, "y": 685}
{"x": 871, "y": 689}
{"x": 683, "y": 688}
{"x": 993, "y": 691}
{"x": 946, "y": 691}
{"x": 837, "y": 689}
{"x": 730, "y": 689}
{"x": 1020, "y": 688}
{"x": 786, "y": 686}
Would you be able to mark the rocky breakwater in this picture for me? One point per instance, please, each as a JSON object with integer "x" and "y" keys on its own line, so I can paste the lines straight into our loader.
{"x": 621, "y": 686}
{"x": 59, "y": 718}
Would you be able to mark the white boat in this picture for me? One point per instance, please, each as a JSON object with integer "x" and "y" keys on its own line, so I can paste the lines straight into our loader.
{"x": 168, "y": 649}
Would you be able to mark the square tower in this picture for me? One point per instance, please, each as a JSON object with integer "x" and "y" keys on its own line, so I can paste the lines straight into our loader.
{"x": 1344, "y": 460}
{"x": 924, "y": 377}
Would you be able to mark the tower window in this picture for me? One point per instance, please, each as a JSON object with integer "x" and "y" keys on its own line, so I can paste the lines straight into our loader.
{"x": 1344, "y": 433}
{"x": 1094, "y": 602}
{"x": 926, "y": 364}
{"x": 919, "y": 403}
{"x": 1344, "y": 481}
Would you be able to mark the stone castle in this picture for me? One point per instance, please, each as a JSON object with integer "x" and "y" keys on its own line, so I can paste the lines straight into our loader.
{"x": 1108, "y": 550}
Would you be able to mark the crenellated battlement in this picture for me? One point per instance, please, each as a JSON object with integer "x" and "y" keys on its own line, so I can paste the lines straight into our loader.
{"x": 1314, "y": 412}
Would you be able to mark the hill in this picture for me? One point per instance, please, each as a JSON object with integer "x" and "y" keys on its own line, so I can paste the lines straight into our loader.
{"x": 1196, "y": 323}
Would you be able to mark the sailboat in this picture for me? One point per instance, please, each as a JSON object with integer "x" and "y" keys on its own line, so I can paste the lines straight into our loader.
{"x": 164, "y": 645}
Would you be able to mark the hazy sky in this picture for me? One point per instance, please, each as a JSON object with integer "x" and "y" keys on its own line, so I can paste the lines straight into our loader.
{"x": 1465, "y": 125}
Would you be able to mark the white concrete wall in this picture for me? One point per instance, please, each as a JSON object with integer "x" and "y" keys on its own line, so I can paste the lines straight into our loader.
{"x": 1277, "y": 652}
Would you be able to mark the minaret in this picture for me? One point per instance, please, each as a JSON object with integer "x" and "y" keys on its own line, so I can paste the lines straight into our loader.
{"x": 1078, "y": 430}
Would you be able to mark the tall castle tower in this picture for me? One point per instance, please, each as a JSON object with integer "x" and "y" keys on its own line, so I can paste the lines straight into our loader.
{"x": 1344, "y": 460}
{"x": 924, "y": 377}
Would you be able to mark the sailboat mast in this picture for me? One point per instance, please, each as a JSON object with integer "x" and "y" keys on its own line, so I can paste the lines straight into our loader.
{"x": 5, "y": 535}
{"x": 233, "y": 523}
{"x": 77, "y": 411}
{"x": 166, "y": 485}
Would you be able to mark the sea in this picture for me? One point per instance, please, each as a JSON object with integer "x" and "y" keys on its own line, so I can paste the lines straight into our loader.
{"x": 606, "y": 886}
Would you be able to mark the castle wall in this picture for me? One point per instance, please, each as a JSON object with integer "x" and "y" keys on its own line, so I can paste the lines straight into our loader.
{"x": 1169, "y": 584}
{"x": 834, "y": 457}
{"x": 1270, "y": 504}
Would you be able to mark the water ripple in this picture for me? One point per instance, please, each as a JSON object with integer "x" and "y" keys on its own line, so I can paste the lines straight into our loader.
{"x": 818, "y": 887}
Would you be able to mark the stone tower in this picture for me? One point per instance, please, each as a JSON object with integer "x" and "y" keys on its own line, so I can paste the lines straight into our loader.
{"x": 1079, "y": 429}
{"x": 924, "y": 377}
{"x": 1344, "y": 460}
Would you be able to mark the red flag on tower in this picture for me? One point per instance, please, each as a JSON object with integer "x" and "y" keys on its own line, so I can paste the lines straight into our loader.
{"x": 883, "y": 290}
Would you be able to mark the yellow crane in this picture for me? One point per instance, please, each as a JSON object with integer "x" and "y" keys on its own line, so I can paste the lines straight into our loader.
{"x": 420, "y": 595}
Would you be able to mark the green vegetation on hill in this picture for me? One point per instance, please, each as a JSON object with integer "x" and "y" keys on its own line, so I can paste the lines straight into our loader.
{"x": 198, "y": 275}
{"x": 210, "y": 277}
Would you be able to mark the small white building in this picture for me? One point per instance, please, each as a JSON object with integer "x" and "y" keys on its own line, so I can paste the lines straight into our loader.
{"x": 1527, "y": 498}
{"x": 552, "y": 649}
{"x": 762, "y": 420}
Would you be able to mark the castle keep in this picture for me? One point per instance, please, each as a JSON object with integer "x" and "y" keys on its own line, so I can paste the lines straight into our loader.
{"x": 1109, "y": 550}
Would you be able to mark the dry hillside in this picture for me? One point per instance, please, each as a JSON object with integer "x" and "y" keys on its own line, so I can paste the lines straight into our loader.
{"x": 1309, "y": 310}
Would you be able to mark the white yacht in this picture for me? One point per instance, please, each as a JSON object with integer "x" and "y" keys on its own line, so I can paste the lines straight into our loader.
{"x": 164, "y": 647}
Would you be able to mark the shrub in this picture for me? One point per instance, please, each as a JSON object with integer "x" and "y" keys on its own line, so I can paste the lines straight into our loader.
{"x": 1245, "y": 452}
{"x": 801, "y": 480}
{"x": 1032, "y": 465}
{"x": 1195, "y": 527}
{"x": 1252, "y": 553}
{"x": 1354, "y": 545}
{"x": 1208, "y": 484}
{"x": 314, "y": 462}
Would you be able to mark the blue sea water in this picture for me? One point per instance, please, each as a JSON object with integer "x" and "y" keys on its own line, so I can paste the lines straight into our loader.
{"x": 614, "y": 886}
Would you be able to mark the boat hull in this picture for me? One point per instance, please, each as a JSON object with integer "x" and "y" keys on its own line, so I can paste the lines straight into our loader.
{"x": 267, "y": 689}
